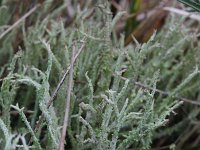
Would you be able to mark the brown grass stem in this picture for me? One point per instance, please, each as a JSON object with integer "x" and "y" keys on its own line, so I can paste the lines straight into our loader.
{"x": 19, "y": 21}
{"x": 67, "y": 106}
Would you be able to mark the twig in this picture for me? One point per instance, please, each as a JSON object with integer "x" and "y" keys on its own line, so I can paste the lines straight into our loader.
{"x": 67, "y": 107}
{"x": 64, "y": 77}
{"x": 195, "y": 102}
{"x": 19, "y": 21}
{"x": 39, "y": 122}
{"x": 183, "y": 13}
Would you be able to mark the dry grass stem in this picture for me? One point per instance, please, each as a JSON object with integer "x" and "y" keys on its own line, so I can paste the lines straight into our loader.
{"x": 183, "y": 13}
{"x": 19, "y": 21}
{"x": 67, "y": 107}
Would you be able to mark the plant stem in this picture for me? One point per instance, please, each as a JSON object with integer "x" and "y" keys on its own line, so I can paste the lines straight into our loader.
{"x": 67, "y": 107}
